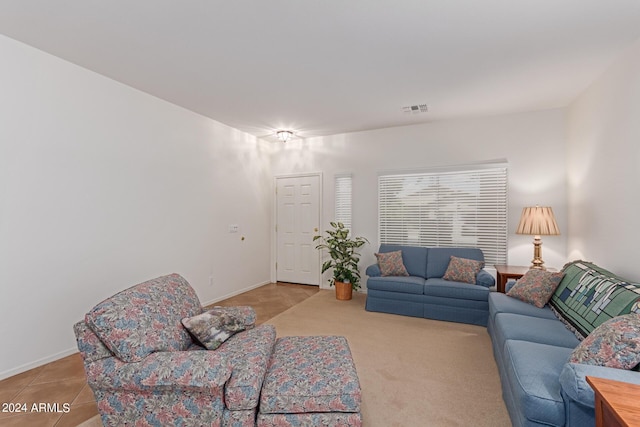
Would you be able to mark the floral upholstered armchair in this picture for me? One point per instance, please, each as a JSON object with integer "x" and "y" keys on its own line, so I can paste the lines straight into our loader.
{"x": 145, "y": 369}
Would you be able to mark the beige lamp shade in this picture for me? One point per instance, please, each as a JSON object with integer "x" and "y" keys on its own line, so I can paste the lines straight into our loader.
{"x": 538, "y": 221}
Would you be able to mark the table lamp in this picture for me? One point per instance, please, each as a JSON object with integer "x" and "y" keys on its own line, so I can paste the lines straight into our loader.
{"x": 538, "y": 221}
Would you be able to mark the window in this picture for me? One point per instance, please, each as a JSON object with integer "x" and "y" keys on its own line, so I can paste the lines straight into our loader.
{"x": 343, "y": 199}
{"x": 461, "y": 208}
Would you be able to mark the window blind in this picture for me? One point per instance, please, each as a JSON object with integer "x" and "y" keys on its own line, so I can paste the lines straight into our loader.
{"x": 464, "y": 208}
{"x": 343, "y": 187}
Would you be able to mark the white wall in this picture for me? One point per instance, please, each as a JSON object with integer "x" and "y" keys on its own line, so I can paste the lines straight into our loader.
{"x": 533, "y": 144}
{"x": 102, "y": 187}
{"x": 604, "y": 169}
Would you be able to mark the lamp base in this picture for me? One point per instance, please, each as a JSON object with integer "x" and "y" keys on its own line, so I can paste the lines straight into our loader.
{"x": 537, "y": 263}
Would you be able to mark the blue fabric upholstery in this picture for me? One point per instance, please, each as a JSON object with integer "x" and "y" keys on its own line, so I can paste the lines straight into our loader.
{"x": 574, "y": 380}
{"x": 413, "y": 257}
{"x": 395, "y": 303}
{"x": 432, "y": 298}
{"x": 533, "y": 329}
{"x": 447, "y": 289}
{"x": 485, "y": 279}
{"x": 439, "y": 259}
{"x": 533, "y": 370}
{"x": 501, "y": 303}
{"x": 408, "y": 284}
{"x": 531, "y": 348}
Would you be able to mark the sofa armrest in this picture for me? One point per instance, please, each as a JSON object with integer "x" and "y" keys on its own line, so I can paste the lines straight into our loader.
{"x": 196, "y": 369}
{"x": 484, "y": 278}
{"x": 373, "y": 271}
{"x": 574, "y": 382}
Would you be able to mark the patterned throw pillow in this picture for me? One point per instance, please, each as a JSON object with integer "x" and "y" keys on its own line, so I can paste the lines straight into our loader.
{"x": 615, "y": 344}
{"x": 589, "y": 295}
{"x": 213, "y": 327}
{"x": 244, "y": 312}
{"x": 391, "y": 264}
{"x": 536, "y": 287}
{"x": 463, "y": 270}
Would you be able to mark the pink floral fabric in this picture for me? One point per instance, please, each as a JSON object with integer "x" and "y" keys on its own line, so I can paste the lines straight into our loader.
{"x": 195, "y": 387}
{"x": 334, "y": 419}
{"x": 463, "y": 270}
{"x": 391, "y": 264}
{"x": 170, "y": 388}
{"x": 249, "y": 352}
{"x": 614, "y": 344}
{"x": 239, "y": 418}
{"x": 310, "y": 374}
{"x": 536, "y": 287}
{"x": 146, "y": 318}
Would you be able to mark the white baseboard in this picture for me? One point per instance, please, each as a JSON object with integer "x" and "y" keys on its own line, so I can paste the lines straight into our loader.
{"x": 233, "y": 294}
{"x": 36, "y": 363}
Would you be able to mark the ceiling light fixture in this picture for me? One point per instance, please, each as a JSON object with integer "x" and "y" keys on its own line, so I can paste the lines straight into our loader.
{"x": 284, "y": 135}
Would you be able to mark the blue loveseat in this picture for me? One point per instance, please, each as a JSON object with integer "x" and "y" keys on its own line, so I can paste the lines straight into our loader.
{"x": 424, "y": 293}
{"x": 532, "y": 346}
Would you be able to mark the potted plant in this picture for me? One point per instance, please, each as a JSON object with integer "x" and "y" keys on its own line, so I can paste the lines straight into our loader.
{"x": 344, "y": 259}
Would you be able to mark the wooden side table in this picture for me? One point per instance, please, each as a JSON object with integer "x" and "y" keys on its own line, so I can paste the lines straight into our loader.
{"x": 616, "y": 402}
{"x": 506, "y": 272}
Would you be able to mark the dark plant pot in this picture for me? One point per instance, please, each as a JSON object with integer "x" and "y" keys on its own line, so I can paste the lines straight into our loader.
{"x": 344, "y": 291}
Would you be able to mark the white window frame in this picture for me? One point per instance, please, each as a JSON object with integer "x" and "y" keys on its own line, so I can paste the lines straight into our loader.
{"x": 446, "y": 207}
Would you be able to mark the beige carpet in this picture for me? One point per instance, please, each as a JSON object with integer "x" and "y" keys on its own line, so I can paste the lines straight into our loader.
{"x": 413, "y": 372}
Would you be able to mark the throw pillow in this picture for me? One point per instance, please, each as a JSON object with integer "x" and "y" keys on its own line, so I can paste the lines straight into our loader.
{"x": 463, "y": 270}
{"x": 614, "y": 344}
{"x": 391, "y": 264}
{"x": 212, "y": 327}
{"x": 536, "y": 287}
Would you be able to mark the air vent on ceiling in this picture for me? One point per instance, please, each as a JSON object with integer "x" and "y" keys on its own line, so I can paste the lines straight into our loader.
{"x": 416, "y": 109}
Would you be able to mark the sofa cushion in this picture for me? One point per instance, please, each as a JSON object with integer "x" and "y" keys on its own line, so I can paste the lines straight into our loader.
{"x": 444, "y": 288}
{"x": 500, "y": 303}
{"x": 408, "y": 284}
{"x": 463, "y": 270}
{"x": 413, "y": 258}
{"x": 532, "y": 372}
{"x": 212, "y": 328}
{"x": 615, "y": 344}
{"x": 391, "y": 264}
{"x": 589, "y": 295}
{"x": 536, "y": 287}
{"x": 509, "y": 326}
{"x": 249, "y": 353}
{"x": 438, "y": 259}
{"x": 146, "y": 318}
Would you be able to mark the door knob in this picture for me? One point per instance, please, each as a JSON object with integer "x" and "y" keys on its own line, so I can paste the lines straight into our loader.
{"x": 315, "y": 229}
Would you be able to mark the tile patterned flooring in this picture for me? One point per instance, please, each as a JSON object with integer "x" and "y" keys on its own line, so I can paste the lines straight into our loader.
{"x": 63, "y": 381}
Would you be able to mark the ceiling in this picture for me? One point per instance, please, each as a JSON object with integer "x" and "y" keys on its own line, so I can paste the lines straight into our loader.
{"x": 322, "y": 67}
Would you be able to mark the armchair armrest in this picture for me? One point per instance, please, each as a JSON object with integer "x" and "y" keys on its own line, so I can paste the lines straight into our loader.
{"x": 373, "y": 271}
{"x": 574, "y": 382}
{"x": 196, "y": 369}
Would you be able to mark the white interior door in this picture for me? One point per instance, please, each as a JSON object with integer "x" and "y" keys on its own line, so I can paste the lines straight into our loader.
{"x": 297, "y": 221}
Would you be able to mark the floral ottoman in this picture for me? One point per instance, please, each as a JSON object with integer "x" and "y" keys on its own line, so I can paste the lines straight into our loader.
{"x": 310, "y": 381}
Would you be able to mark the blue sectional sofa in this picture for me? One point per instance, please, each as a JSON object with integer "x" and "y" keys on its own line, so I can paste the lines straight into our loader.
{"x": 424, "y": 293}
{"x": 532, "y": 346}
